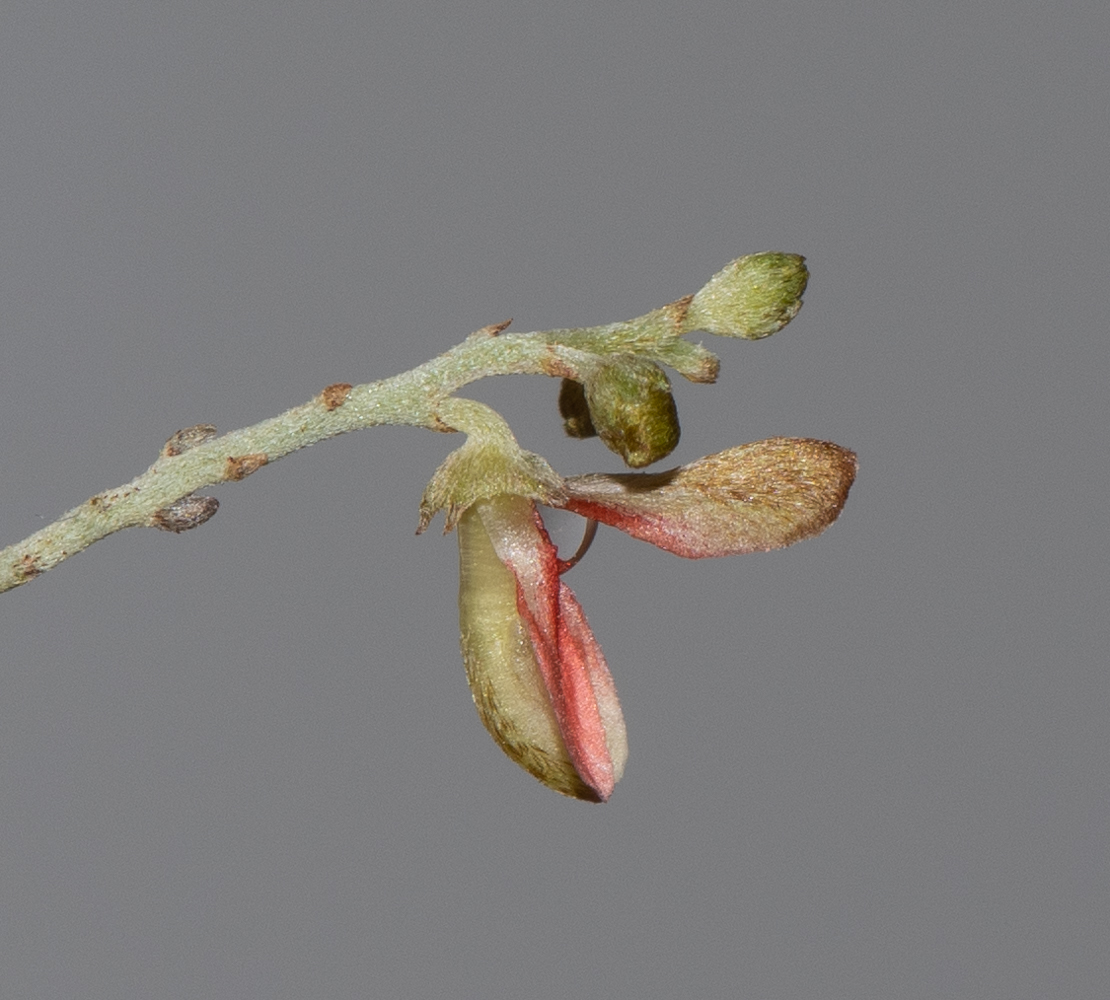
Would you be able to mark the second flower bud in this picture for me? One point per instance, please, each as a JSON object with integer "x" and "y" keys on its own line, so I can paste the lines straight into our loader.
{"x": 627, "y": 402}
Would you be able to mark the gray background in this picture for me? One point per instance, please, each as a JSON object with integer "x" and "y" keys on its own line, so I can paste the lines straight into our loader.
{"x": 243, "y": 762}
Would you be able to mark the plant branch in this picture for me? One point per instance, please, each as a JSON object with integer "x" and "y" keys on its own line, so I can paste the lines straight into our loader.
{"x": 627, "y": 395}
{"x": 413, "y": 398}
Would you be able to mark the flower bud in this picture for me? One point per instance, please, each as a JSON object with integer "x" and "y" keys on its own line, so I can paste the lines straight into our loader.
{"x": 752, "y": 297}
{"x": 630, "y": 407}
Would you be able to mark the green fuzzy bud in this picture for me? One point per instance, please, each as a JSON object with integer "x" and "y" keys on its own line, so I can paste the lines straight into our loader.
{"x": 752, "y": 297}
{"x": 632, "y": 409}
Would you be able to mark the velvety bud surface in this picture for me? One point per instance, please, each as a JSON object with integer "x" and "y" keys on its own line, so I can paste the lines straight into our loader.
{"x": 632, "y": 408}
{"x": 752, "y": 297}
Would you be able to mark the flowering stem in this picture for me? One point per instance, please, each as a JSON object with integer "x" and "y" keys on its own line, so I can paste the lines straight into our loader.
{"x": 751, "y": 297}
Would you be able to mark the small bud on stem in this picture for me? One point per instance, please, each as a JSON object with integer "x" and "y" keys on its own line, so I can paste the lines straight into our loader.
{"x": 752, "y": 297}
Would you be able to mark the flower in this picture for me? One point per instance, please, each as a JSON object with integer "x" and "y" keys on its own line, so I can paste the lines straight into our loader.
{"x": 537, "y": 674}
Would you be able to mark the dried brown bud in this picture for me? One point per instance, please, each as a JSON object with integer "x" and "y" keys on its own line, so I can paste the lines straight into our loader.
{"x": 188, "y": 438}
{"x": 186, "y": 513}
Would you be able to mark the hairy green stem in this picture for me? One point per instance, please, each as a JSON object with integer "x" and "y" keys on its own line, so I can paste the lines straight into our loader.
{"x": 413, "y": 398}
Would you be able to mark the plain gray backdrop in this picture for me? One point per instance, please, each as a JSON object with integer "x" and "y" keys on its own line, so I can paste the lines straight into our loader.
{"x": 243, "y": 762}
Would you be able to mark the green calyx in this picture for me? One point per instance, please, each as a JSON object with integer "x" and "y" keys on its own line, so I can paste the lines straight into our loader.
{"x": 489, "y": 464}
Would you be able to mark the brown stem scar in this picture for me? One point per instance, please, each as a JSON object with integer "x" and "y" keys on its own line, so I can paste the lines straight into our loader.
{"x": 29, "y": 567}
{"x": 678, "y": 310}
{"x": 240, "y": 466}
{"x": 334, "y": 396}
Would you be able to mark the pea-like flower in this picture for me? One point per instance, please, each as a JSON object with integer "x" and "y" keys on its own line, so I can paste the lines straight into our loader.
{"x": 537, "y": 673}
